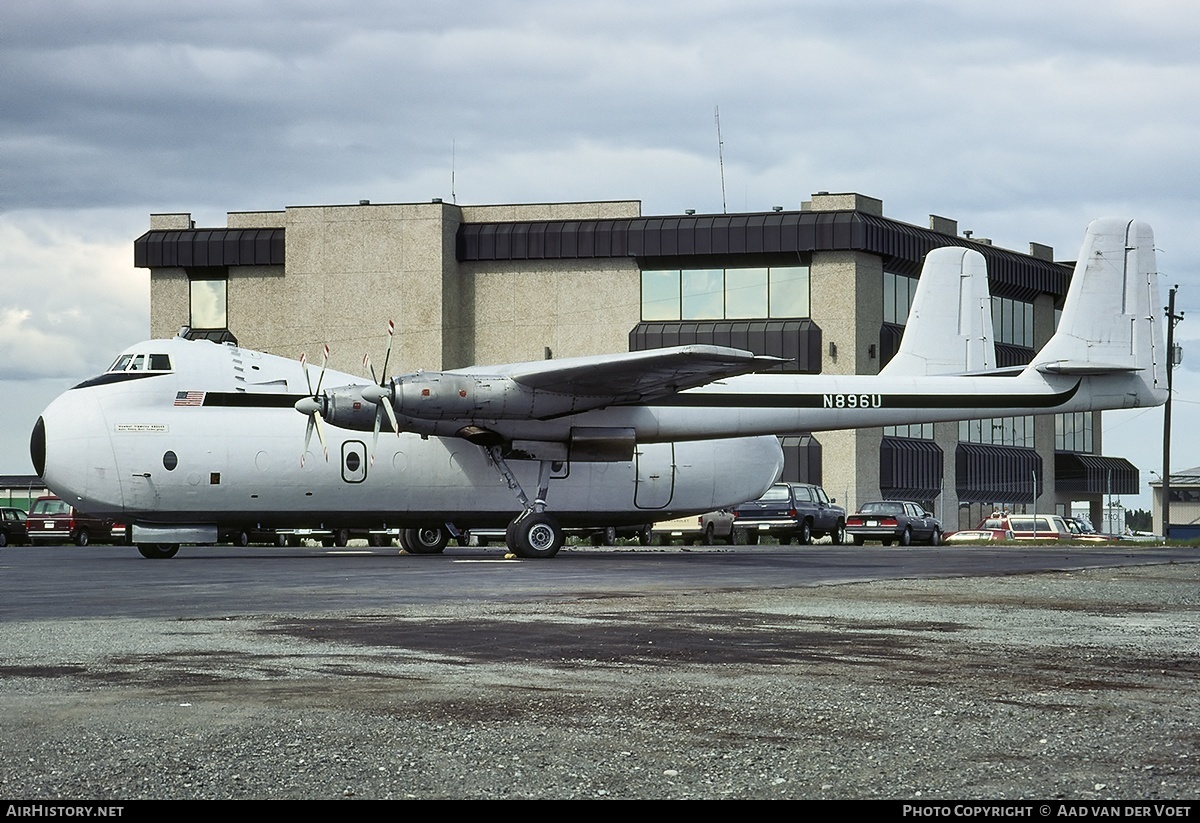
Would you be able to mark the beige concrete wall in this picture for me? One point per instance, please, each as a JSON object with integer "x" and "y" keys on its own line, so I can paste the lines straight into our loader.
{"x": 169, "y": 306}
{"x": 572, "y": 307}
{"x": 603, "y": 210}
{"x": 846, "y": 294}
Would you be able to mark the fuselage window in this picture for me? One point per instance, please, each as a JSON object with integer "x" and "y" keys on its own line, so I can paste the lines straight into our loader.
{"x": 170, "y": 461}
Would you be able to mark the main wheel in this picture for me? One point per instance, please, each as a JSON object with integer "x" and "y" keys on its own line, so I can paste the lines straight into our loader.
{"x": 158, "y": 551}
{"x": 426, "y": 540}
{"x": 535, "y": 535}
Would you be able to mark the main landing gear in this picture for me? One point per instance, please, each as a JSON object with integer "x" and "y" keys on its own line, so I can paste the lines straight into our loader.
{"x": 534, "y": 533}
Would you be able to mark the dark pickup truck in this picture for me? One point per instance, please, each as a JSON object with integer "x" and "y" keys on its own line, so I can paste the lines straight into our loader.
{"x": 791, "y": 510}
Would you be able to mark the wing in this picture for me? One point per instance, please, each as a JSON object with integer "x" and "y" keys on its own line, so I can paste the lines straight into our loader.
{"x": 635, "y": 376}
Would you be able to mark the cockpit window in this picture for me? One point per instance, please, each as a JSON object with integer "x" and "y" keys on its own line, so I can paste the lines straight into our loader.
{"x": 141, "y": 362}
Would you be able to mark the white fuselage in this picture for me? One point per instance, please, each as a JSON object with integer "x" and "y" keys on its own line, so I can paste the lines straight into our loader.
{"x": 145, "y": 448}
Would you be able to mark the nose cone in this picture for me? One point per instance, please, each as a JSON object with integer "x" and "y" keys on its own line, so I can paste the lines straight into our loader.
{"x": 71, "y": 450}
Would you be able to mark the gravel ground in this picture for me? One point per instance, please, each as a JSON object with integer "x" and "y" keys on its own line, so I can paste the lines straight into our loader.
{"x": 1080, "y": 686}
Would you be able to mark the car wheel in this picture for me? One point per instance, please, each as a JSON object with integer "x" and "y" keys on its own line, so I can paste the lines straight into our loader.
{"x": 838, "y": 535}
{"x": 82, "y": 538}
{"x": 646, "y": 535}
{"x": 610, "y": 536}
{"x": 710, "y": 535}
{"x": 936, "y": 538}
{"x": 341, "y": 537}
{"x": 3, "y": 539}
{"x": 242, "y": 538}
{"x": 906, "y": 538}
{"x": 805, "y": 533}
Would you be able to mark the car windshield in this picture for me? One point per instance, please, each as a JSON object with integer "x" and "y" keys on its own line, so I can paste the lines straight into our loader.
{"x": 51, "y": 507}
{"x": 775, "y": 493}
{"x": 882, "y": 508}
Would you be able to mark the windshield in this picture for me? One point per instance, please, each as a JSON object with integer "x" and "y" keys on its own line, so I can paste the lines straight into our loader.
{"x": 51, "y": 507}
{"x": 882, "y": 508}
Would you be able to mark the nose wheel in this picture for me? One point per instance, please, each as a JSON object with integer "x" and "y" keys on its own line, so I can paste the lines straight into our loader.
{"x": 534, "y": 534}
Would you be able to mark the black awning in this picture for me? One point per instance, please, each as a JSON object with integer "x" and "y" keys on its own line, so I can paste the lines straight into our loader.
{"x": 910, "y": 469}
{"x": 208, "y": 248}
{"x": 798, "y": 341}
{"x": 1094, "y": 474}
{"x": 997, "y": 474}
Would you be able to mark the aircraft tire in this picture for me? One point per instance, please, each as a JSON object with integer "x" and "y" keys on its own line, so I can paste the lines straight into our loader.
{"x": 536, "y": 535}
{"x": 157, "y": 551}
{"x": 426, "y": 540}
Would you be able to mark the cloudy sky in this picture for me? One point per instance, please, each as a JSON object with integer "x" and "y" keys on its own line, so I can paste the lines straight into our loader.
{"x": 1022, "y": 120}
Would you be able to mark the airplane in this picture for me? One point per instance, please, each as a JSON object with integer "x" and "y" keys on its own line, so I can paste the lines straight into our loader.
{"x": 180, "y": 437}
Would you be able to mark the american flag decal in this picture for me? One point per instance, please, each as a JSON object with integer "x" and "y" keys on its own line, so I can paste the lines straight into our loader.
{"x": 189, "y": 398}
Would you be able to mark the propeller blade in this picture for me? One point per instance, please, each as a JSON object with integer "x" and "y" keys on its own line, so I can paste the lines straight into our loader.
{"x": 387, "y": 355}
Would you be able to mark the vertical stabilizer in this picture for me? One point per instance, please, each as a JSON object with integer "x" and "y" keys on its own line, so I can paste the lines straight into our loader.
{"x": 1109, "y": 322}
{"x": 949, "y": 327}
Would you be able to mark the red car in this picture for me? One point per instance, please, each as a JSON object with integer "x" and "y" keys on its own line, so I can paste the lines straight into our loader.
{"x": 53, "y": 520}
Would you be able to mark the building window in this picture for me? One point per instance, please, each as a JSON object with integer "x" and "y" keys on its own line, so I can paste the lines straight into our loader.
{"x": 1012, "y": 322}
{"x": 1073, "y": 432}
{"x": 726, "y": 294}
{"x": 998, "y": 431}
{"x": 916, "y": 431}
{"x": 208, "y": 304}
{"x": 898, "y": 293}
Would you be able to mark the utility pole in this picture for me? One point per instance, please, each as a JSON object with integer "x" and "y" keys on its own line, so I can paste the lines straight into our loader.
{"x": 1172, "y": 319}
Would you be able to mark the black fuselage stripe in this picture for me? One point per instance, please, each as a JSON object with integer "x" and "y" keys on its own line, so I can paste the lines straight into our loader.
{"x": 867, "y": 400}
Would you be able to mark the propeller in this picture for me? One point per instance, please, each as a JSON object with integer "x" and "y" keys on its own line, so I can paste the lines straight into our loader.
{"x": 313, "y": 406}
{"x": 380, "y": 393}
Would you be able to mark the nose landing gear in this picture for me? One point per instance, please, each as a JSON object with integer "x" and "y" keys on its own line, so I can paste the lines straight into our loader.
{"x": 534, "y": 533}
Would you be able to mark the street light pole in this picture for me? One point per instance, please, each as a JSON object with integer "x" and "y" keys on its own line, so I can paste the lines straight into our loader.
{"x": 1172, "y": 319}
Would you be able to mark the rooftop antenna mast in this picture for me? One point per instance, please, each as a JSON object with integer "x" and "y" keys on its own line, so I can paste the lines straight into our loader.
{"x": 721, "y": 160}
{"x": 453, "y": 196}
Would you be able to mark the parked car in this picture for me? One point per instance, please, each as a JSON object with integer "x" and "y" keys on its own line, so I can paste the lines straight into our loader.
{"x": 705, "y": 528}
{"x": 52, "y": 520}
{"x": 800, "y": 511}
{"x": 899, "y": 521}
{"x": 1029, "y": 526}
{"x": 978, "y": 536}
{"x": 13, "y": 529}
{"x": 1083, "y": 530}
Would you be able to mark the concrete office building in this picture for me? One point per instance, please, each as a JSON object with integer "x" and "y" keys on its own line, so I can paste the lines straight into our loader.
{"x": 827, "y": 286}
